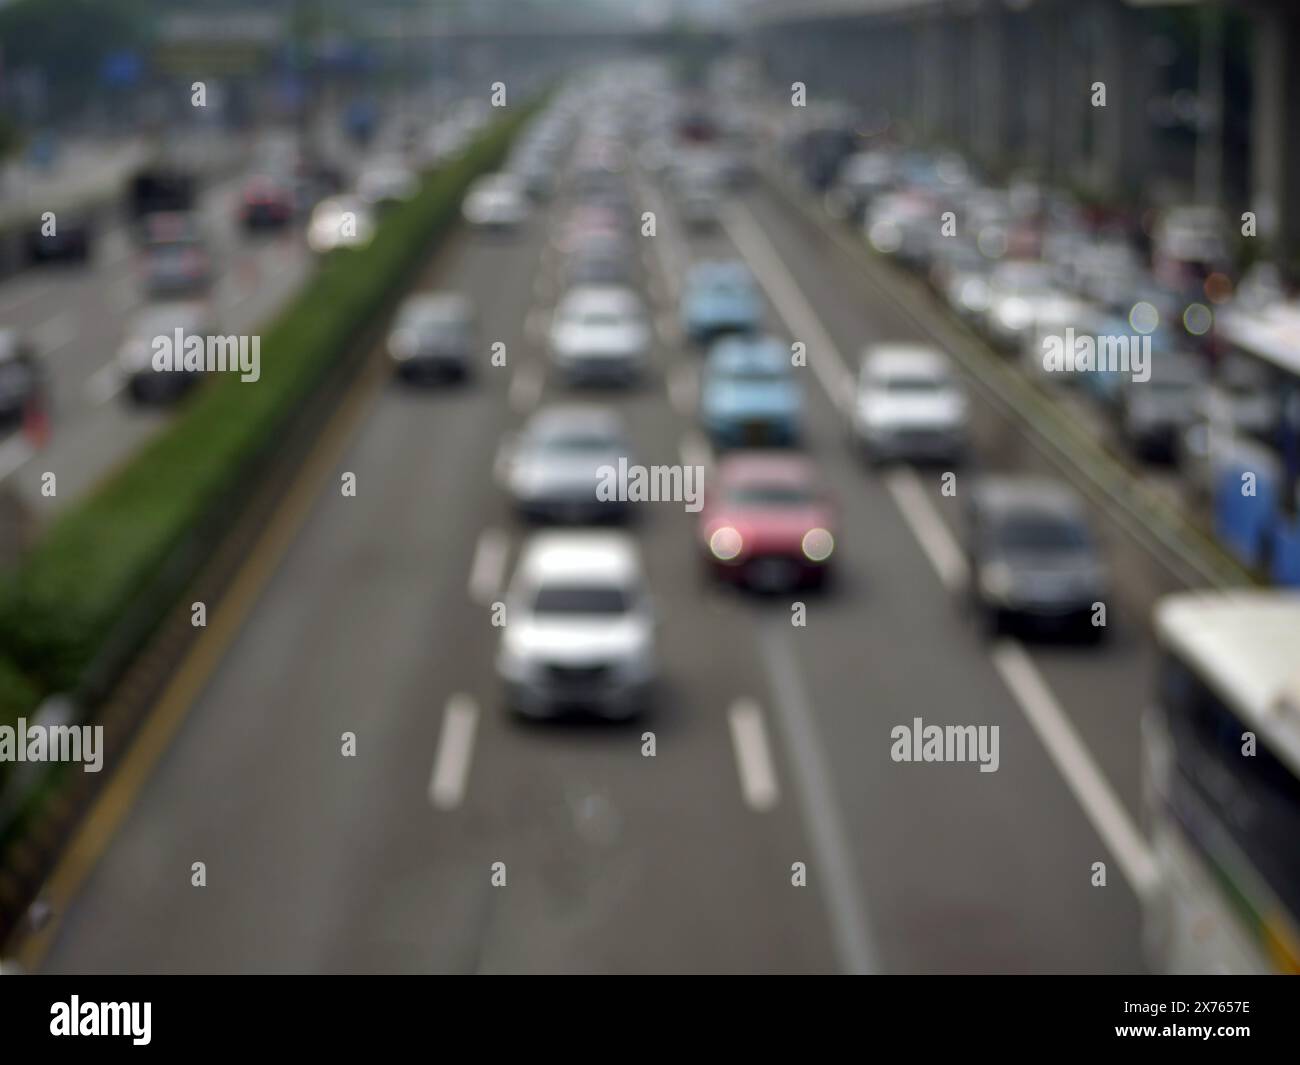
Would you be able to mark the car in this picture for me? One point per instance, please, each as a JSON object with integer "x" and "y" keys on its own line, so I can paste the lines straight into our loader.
{"x": 266, "y": 203}
{"x": 433, "y": 335}
{"x": 1033, "y": 558}
{"x": 600, "y": 333}
{"x": 1019, "y": 291}
{"x": 71, "y": 239}
{"x": 767, "y": 523}
{"x": 1189, "y": 243}
{"x": 20, "y": 375}
{"x": 903, "y": 225}
{"x": 554, "y": 468}
{"x": 339, "y": 222}
{"x": 175, "y": 255}
{"x": 749, "y": 396}
{"x": 144, "y": 383}
{"x": 862, "y": 176}
{"x": 599, "y": 259}
{"x": 909, "y": 405}
{"x": 718, "y": 298}
{"x": 1154, "y": 415}
{"x": 581, "y": 632}
{"x": 386, "y": 182}
{"x": 497, "y": 202}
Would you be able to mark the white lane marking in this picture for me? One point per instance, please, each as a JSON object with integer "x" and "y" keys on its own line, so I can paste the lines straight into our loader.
{"x": 939, "y": 545}
{"x": 535, "y": 325}
{"x": 488, "y": 566}
{"x": 790, "y": 303}
{"x": 124, "y": 294}
{"x": 542, "y": 286}
{"x": 455, "y": 747}
{"x": 669, "y": 329}
{"x": 669, "y": 250}
{"x": 13, "y": 454}
{"x": 832, "y": 862}
{"x": 13, "y": 300}
{"x": 116, "y": 247}
{"x": 753, "y": 755}
{"x": 526, "y": 387}
{"x": 56, "y": 332}
{"x": 1084, "y": 777}
{"x": 683, "y": 388}
{"x": 695, "y": 450}
{"x": 105, "y": 383}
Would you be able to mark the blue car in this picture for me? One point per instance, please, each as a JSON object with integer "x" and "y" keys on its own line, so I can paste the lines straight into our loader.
{"x": 1107, "y": 386}
{"x": 749, "y": 396}
{"x": 718, "y": 298}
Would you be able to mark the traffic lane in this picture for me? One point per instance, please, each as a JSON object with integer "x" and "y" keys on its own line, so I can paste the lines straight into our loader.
{"x": 890, "y": 644}
{"x": 639, "y": 863}
{"x": 94, "y": 427}
{"x": 1105, "y": 689}
{"x": 380, "y": 892}
{"x": 352, "y": 634}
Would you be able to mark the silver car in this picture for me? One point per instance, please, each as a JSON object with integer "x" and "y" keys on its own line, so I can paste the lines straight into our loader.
{"x": 555, "y": 470}
{"x": 581, "y": 629}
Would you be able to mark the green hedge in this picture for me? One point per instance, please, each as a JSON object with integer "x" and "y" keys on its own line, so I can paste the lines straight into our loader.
{"x": 59, "y": 608}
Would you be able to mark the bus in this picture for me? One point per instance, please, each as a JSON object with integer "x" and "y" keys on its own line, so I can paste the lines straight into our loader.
{"x": 1221, "y": 784}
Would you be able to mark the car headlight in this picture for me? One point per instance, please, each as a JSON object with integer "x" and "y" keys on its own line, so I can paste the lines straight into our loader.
{"x": 512, "y": 665}
{"x": 402, "y": 344}
{"x": 1014, "y": 314}
{"x": 818, "y": 545}
{"x": 996, "y": 580}
{"x": 726, "y": 543}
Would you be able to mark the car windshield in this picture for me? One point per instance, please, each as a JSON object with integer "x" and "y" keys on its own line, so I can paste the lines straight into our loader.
{"x": 581, "y": 599}
{"x": 769, "y": 495}
{"x": 1034, "y": 532}
{"x": 1024, "y": 278}
{"x": 749, "y": 376}
{"x": 579, "y": 441}
{"x": 604, "y": 319}
{"x": 913, "y": 385}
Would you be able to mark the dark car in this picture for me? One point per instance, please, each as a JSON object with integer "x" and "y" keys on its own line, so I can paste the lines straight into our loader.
{"x": 266, "y": 203}
{"x": 69, "y": 242}
{"x": 1033, "y": 558}
{"x": 433, "y": 336}
{"x": 20, "y": 376}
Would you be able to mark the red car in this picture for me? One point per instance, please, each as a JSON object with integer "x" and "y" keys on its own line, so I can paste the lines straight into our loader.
{"x": 767, "y": 523}
{"x": 265, "y": 203}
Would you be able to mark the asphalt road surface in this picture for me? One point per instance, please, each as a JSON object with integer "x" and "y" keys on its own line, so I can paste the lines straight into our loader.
{"x": 772, "y": 740}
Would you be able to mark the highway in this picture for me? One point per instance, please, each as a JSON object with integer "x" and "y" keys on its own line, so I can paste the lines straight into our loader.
{"x": 77, "y": 318}
{"x": 371, "y": 615}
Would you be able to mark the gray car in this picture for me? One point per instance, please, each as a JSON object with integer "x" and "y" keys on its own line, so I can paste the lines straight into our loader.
{"x": 1033, "y": 558}
{"x": 433, "y": 336}
{"x": 555, "y": 469}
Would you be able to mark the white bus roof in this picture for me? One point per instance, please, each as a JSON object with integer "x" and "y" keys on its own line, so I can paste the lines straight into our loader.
{"x": 1246, "y": 646}
{"x": 1271, "y": 334}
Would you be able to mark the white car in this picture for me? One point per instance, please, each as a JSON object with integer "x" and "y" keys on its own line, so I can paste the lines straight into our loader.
{"x": 581, "y": 627}
{"x": 387, "y": 181}
{"x": 135, "y": 357}
{"x": 909, "y": 405}
{"x": 498, "y": 201}
{"x": 600, "y": 332}
{"x": 340, "y": 222}
{"x": 1018, "y": 292}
